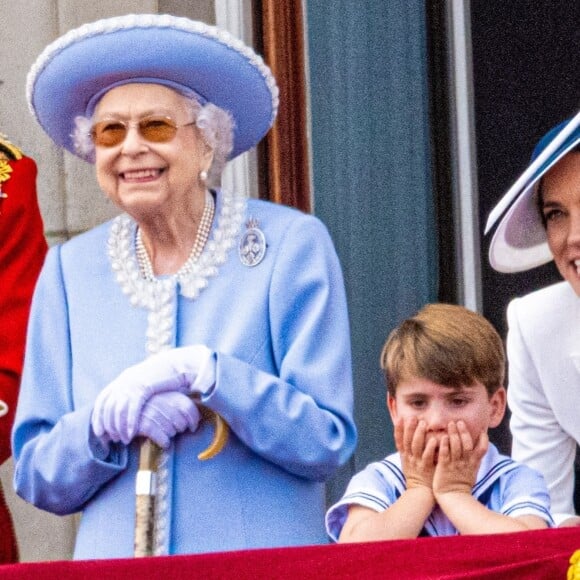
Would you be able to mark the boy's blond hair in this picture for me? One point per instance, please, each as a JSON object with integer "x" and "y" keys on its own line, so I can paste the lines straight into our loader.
{"x": 447, "y": 344}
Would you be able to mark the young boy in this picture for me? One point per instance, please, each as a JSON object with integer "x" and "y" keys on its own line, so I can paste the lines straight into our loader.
{"x": 444, "y": 369}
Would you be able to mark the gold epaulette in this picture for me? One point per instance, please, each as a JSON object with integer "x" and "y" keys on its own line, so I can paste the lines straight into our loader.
{"x": 8, "y": 151}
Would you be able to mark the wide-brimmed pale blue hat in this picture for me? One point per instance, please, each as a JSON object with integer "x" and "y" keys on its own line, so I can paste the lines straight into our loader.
{"x": 519, "y": 242}
{"x": 77, "y": 69}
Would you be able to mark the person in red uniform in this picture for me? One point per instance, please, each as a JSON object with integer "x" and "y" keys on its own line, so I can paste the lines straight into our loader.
{"x": 22, "y": 250}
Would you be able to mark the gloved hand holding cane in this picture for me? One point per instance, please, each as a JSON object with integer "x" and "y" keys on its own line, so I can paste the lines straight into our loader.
{"x": 119, "y": 407}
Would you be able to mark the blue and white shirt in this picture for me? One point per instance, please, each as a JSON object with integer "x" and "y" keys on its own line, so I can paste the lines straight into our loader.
{"x": 502, "y": 485}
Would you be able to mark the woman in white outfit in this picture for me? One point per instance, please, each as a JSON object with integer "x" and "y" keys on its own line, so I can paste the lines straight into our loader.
{"x": 542, "y": 222}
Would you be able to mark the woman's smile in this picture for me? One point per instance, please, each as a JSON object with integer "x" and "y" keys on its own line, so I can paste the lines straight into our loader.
{"x": 141, "y": 175}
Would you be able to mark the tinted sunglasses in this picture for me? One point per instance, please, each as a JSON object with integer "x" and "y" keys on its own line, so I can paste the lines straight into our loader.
{"x": 156, "y": 129}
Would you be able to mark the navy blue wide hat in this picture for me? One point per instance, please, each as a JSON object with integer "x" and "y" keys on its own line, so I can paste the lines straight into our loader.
{"x": 76, "y": 70}
{"x": 519, "y": 242}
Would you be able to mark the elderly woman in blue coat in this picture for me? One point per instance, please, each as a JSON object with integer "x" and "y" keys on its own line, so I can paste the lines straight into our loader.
{"x": 193, "y": 296}
{"x": 539, "y": 221}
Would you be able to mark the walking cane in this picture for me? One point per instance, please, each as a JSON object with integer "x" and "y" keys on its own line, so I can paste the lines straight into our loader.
{"x": 146, "y": 483}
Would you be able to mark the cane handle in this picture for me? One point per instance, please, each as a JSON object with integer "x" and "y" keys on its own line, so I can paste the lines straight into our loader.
{"x": 220, "y": 436}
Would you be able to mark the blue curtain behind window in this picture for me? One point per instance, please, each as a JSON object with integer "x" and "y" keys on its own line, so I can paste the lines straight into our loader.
{"x": 372, "y": 182}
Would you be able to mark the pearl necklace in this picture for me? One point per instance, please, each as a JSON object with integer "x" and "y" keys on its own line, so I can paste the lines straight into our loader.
{"x": 145, "y": 266}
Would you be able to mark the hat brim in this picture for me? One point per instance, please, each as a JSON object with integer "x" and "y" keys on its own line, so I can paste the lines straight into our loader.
{"x": 519, "y": 242}
{"x": 213, "y": 64}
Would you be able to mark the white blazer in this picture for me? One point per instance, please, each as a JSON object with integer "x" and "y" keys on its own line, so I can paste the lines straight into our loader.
{"x": 543, "y": 349}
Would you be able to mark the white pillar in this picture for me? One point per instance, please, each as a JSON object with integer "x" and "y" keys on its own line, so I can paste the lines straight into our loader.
{"x": 240, "y": 174}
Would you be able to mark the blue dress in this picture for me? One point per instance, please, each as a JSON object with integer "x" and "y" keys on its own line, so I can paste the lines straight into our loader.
{"x": 280, "y": 329}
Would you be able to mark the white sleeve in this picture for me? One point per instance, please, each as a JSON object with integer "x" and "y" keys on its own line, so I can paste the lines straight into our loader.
{"x": 376, "y": 487}
{"x": 538, "y": 439}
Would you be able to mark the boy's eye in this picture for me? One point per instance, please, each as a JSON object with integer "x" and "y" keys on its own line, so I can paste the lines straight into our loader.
{"x": 417, "y": 403}
{"x": 459, "y": 402}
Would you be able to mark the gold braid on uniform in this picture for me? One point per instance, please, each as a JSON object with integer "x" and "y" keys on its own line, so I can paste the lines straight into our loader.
{"x": 8, "y": 152}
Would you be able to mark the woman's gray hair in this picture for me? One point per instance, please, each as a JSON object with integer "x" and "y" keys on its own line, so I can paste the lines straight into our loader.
{"x": 217, "y": 128}
{"x": 215, "y": 124}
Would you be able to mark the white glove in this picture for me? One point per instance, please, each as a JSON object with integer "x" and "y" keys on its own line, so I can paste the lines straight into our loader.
{"x": 187, "y": 370}
{"x": 166, "y": 414}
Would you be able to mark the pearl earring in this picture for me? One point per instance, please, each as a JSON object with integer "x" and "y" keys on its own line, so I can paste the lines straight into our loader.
{"x": 203, "y": 176}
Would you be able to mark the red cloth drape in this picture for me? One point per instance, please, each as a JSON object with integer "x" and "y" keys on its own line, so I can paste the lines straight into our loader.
{"x": 535, "y": 555}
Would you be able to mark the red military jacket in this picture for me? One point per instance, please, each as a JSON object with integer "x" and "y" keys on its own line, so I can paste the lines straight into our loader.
{"x": 22, "y": 251}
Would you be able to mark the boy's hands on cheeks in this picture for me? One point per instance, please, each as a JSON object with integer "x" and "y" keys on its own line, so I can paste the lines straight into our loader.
{"x": 459, "y": 460}
{"x": 417, "y": 452}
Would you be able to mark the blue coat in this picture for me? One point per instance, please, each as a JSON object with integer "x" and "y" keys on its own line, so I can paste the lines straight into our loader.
{"x": 284, "y": 385}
